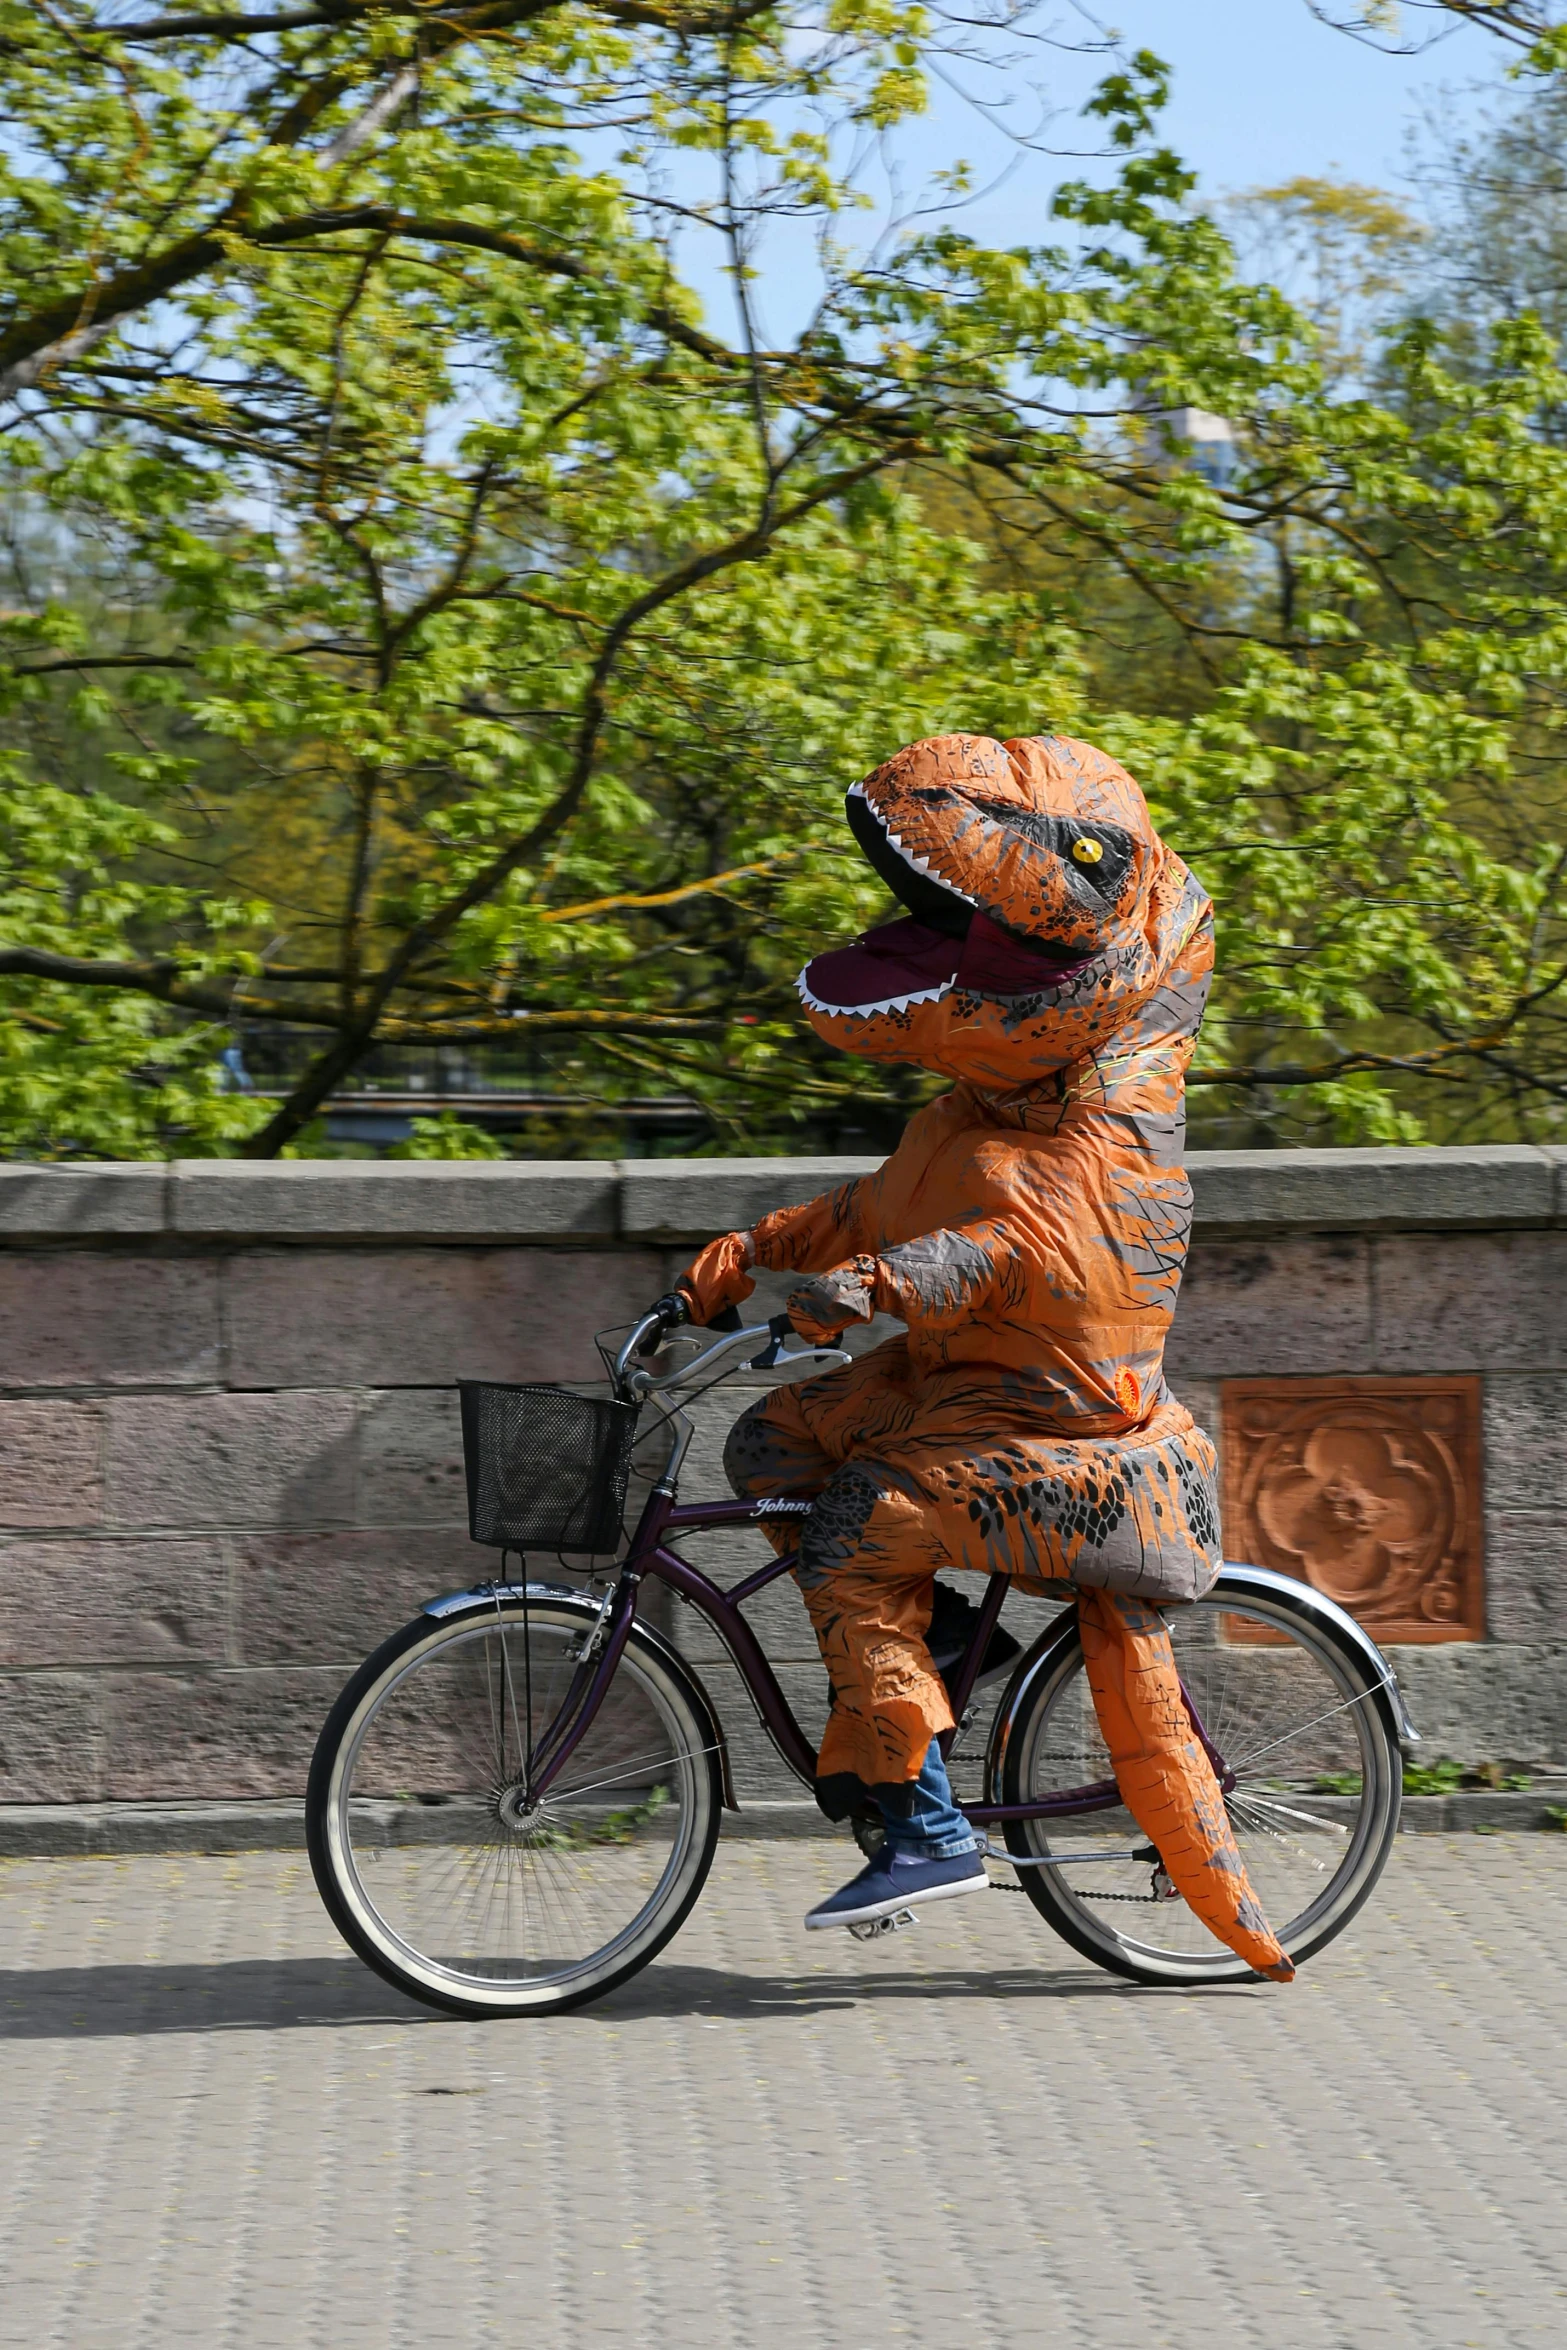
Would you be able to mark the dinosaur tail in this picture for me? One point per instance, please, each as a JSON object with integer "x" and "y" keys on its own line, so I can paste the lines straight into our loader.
{"x": 1165, "y": 1778}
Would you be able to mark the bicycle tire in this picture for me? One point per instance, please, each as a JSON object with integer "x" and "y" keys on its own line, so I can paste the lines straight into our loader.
{"x": 1091, "y": 1908}
{"x": 342, "y": 1840}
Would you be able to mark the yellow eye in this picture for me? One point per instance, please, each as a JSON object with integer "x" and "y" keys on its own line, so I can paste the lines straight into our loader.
{"x": 1087, "y": 852}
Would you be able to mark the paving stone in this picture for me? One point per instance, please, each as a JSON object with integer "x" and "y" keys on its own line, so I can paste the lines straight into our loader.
{"x": 223, "y": 2130}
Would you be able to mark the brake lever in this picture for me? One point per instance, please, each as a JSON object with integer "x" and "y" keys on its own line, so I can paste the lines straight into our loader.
{"x": 772, "y": 1357}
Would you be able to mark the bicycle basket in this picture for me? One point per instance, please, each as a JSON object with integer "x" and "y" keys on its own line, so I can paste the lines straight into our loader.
{"x": 547, "y": 1469}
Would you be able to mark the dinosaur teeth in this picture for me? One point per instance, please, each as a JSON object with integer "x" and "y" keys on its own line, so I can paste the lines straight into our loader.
{"x": 922, "y": 865}
{"x": 911, "y": 857}
{"x": 891, "y": 1003}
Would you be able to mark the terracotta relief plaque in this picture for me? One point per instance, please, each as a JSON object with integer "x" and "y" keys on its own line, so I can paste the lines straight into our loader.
{"x": 1367, "y": 1488}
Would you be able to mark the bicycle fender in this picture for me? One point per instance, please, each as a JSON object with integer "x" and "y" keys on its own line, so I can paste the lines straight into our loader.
{"x": 484, "y": 1595}
{"x": 1244, "y": 1582}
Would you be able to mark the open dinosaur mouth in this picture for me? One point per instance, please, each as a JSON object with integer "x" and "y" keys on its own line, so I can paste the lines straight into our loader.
{"x": 905, "y": 963}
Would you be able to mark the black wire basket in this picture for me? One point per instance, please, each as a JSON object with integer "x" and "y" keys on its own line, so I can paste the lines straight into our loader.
{"x": 547, "y": 1469}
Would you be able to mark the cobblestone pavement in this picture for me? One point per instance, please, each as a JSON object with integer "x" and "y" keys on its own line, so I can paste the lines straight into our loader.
{"x": 219, "y": 2129}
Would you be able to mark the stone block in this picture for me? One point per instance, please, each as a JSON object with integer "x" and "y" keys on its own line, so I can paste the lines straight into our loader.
{"x": 1492, "y": 1702}
{"x": 202, "y": 1736}
{"x": 75, "y": 1602}
{"x": 410, "y": 1460}
{"x": 326, "y": 1200}
{"x": 40, "y": 1829}
{"x": 332, "y": 1598}
{"x": 1474, "y": 1302}
{"x": 1251, "y": 1308}
{"x": 86, "y": 1320}
{"x": 50, "y": 1738}
{"x": 426, "y": 1317}
{"x": 232, "y": 1460}
{"x": 59, "y": 1203}
{"x": 1372, "y": 1190}
{"x": 692, "y": 1199}
{"x": 1201, "y": 1398}
{"x": 51, "y": 1463}
{"x": 1526, "y": 1575}
{"x": 1525, "y": 1417}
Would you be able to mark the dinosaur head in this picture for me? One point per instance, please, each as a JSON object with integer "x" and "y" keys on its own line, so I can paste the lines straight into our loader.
{"x": 1044, "y": 913}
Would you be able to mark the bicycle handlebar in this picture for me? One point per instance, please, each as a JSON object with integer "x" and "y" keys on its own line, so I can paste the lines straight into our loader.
{"x": 671, "y": 1311}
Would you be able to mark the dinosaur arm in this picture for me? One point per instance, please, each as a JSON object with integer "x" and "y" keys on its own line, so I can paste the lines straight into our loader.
{"x": 935, "y": 1282}
{"x": 813, "y": 1236}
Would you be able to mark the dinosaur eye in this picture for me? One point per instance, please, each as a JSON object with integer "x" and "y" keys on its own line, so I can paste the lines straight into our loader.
{"x": 1086, "y": 851}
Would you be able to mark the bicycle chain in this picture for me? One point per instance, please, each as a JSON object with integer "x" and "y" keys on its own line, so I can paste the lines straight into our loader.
{"x": 1081, "y": 1891}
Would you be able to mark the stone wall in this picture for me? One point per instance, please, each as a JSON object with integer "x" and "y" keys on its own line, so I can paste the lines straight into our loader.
{"x": 229, "y": 1456}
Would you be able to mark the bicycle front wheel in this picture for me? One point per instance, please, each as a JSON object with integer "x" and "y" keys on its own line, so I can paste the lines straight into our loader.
{"x": 437, "y": 1863}
{"x": 1304, "y": 1725}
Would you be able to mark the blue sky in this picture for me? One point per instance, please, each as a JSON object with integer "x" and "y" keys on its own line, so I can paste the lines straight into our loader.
{"x": 1262, "y": 91}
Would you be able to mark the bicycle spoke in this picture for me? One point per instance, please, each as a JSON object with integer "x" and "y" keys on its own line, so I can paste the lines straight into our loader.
{"x": 479, "y": 1881}
{"x": 1282, "y": 1709}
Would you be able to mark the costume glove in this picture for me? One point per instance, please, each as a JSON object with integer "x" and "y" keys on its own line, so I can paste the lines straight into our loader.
{"x": 819, "y": 1309}
{"x": 718, "y": 1278}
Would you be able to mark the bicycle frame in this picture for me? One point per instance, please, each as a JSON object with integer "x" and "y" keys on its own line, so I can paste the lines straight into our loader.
{"x": 650, "y": 1557}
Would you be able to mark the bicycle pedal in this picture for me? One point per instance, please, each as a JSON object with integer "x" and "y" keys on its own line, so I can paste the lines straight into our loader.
{"x": 873, "y": 1929}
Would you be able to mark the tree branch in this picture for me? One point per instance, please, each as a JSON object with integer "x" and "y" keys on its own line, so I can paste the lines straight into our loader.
{"x": 746, "y": 547}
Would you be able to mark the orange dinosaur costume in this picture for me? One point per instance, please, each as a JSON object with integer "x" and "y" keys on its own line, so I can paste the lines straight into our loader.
{"x": 1029, "y": 1231}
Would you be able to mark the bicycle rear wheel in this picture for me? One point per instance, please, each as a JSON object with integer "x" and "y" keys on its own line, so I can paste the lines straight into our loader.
{"x": 1306, "y": 1727}
{"x": 435, "y": 1861}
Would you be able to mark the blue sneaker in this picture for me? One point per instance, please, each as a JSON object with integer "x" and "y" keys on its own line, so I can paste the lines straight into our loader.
{"x": 891, "y": 1881}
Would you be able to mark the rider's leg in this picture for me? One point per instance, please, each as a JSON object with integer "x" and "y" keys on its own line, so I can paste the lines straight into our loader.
{"x": 931, "y": 1854}
{"x": 1096, "y": 1513}
{"x": 933, "y": 1828}
{"x": 1136, "y": 1512}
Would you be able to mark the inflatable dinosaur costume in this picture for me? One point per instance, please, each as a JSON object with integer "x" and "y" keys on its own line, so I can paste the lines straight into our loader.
{"x": 1029, "y": 1232}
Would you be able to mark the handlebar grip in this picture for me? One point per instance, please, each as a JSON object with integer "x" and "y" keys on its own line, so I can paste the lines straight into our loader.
{"x": 667, "y": 1313}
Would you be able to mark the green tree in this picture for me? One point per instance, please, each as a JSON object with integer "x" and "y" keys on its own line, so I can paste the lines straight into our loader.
{"x": 476, "y": 639}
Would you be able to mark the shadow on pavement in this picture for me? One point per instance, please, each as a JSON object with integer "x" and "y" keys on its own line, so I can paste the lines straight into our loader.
{"x": 705, "y": 1991}
{"x": 250, "y": 1994}
{"x": 282, "y": 1994}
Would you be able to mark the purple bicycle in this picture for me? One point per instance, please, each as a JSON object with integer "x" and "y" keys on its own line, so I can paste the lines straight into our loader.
{"x": 515, "y": 1801}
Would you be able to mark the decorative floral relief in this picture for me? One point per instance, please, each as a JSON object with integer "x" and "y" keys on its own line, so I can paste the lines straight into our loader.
{"x": 1366, "y": 1488}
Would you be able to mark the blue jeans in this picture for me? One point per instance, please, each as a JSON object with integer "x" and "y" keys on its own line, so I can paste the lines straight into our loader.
{"x": 935, "y": 1829}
